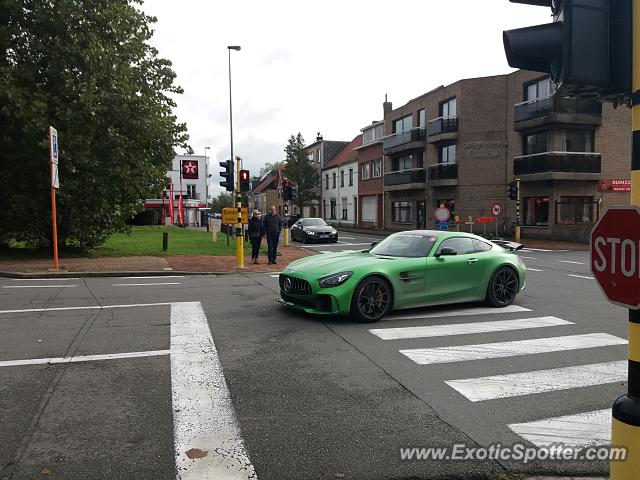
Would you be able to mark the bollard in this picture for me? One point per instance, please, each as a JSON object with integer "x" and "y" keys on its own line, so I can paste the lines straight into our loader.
{"x": 165, "y": 241}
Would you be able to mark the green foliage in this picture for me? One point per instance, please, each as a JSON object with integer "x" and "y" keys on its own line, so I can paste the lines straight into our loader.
{"x": 223, "y": 200}
{"x": 86, "y": 68}
{"x": 302, "y": 172}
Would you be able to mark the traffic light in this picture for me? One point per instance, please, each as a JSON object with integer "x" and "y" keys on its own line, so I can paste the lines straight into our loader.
{"x": 244, "y": 181}
{"x": 586, "y": 50}
{"x": 287, "y": 191}
{"x": 512, "y": 191}
{"x": 227, "y": 174}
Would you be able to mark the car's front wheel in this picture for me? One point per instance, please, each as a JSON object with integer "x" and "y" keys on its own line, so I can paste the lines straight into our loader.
{"x": 371, "y": 300}
{"x": 503, "y": 287}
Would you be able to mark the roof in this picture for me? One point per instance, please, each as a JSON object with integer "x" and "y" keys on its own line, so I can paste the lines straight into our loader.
{"x": 347, "y": 154}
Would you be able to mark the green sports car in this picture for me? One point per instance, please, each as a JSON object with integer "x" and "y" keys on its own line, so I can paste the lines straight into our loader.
{"x": 405, "y": 270}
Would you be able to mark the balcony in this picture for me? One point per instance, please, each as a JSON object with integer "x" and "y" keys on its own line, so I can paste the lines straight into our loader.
{"x": 443, "y": 175}
{"x": 556, "y": 110}
{"x": 414, "y": 178}
{"x": 407, "y": 140}
{"x": 442, "y": 128}
{"x": 558, "y": 166}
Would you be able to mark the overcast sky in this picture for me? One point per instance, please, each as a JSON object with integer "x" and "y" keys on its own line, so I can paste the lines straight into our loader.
{"x": 319, "y": 67}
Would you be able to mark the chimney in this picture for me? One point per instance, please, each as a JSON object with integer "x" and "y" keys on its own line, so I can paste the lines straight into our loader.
{"x": 386, "y": 106}
{"x": 319, "y": 137}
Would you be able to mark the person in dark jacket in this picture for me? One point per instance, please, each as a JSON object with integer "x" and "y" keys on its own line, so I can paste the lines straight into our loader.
{"x": 255, "y": 232}
{"x": 272, "y": 227}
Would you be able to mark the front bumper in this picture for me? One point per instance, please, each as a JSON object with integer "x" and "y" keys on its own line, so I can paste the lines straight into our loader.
{"x": 320, "y": 239}
{"x": 306, "y": 295}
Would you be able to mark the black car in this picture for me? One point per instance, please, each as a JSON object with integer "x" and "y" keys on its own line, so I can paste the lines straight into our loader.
{"x": 309, "y": 230}
{"x": 290, "y": 220}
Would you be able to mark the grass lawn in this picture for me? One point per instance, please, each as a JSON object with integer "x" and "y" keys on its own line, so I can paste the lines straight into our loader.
{"x": 147, "y": 241}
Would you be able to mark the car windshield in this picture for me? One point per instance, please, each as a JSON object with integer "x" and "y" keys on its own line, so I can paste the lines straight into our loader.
{"x": 404, "y": 245}
{"x": 314, "y": 222}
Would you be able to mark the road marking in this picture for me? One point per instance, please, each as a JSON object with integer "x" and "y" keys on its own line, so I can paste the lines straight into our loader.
{"x": 143, "y": 284}
{"x": 589, "y": 428}
{"x": 579, "y": 276}
{"x": 44, "y": 279}
{"x": 463, "y": 353}
{"x": 89, "y": 307}
{"x": 348, "y": 238}
{"x": 83, "y": 358}
{"x": 275, "y": 276}
{"x": 345, "y": 244}
{"x": 203, "y": 415}
{"x": 527, "y": 383}
{"x": 466, "y": 328}
{"x": 455, "y": 312}
{"x": 569, "y": 261}
{"x": 158, "y": 276}
{"x": 529, "y": 269}
{"x": 528, "y": 258}
{"x": 40, "y": 286}
{"x": 536, "y": 250}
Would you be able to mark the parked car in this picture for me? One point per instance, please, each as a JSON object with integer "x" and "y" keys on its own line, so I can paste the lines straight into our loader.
{"x": 309, "y": 230}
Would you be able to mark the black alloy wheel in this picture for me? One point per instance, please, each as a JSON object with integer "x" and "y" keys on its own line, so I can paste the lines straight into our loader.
{"x": 503, "y": 287}
{"x": 371, "y": 300}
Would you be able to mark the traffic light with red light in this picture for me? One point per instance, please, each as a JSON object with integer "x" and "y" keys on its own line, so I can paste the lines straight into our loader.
{"x": 287, "y": 191}
{"x": 245, "y": 185}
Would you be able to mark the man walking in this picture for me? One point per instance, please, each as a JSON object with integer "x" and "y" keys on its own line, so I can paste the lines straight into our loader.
{"x": 272, "y": 227}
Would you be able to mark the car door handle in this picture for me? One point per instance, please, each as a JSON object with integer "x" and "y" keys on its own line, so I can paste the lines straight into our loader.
{"x": 472, "y": 260}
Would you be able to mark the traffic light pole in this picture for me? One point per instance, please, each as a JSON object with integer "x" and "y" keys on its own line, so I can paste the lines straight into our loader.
{"x": 286, "y": 225}
{"x": 518, "y": 210}
{"x": 239, "y": 235}
{"x": 625, "y": 424}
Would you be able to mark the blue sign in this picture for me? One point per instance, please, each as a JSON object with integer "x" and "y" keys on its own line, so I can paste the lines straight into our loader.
{"x": 442, "y": 226}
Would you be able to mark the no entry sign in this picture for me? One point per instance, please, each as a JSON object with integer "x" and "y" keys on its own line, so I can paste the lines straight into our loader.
{"x": 615, "y": 255}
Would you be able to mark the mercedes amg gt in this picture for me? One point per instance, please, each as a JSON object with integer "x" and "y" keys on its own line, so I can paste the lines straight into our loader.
{"x": 405, "y": 270}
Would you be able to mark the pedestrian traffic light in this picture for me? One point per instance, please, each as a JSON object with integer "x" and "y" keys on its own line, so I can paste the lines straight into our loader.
{"x": 244, "y": 181}
{"x": 227, "y": 175}
{"x": 512, "y": 191}
{"x": 586, "y": 50}
{"x": 287, "y": 191}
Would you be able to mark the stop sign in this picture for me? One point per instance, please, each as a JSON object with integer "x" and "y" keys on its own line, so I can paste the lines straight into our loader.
{"x": 615, "y": 255}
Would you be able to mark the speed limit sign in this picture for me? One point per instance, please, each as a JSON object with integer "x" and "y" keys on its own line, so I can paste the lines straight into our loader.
{"x": 496, "y": 209}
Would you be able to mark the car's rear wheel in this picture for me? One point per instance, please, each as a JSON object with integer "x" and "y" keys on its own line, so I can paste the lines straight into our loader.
{"x": 371, "y": 300}
{"x": 503, "y": 287}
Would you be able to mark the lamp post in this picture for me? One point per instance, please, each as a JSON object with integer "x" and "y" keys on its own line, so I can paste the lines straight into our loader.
{"x": 239, "y": 236}
{"x": 206, "y": 186}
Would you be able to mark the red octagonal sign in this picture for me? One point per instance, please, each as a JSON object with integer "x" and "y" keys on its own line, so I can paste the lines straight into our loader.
{"x": 615, "y": 255}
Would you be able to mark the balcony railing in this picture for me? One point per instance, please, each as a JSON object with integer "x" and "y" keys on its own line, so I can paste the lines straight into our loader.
{"x": 443, "y": 171}
{"x": 402, "y": 138}
{"x": 577, "y": 162}
{"x": 401, "y": 177}
{"x": 442, "y": 125}
{"x": 552, "y": 104}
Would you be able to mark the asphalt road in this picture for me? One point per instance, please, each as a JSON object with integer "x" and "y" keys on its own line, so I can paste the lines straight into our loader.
{"x": 174, "y": 376}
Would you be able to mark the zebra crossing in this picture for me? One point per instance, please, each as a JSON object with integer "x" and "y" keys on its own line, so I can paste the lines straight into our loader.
{"x": 579, "y": 430}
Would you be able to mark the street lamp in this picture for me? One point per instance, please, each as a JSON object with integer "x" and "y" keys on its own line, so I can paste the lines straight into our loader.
{"x": 239, "y": 243}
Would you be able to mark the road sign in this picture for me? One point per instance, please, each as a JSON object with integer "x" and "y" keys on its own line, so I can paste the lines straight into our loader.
{"x": 485, "y": 219}
{"x": 230, "y": 216}
{"x": 442, "y": 214}
{"x": 53, "y": 156}
{"x": 615, "y": 255}
{"x": 496, "y": 209}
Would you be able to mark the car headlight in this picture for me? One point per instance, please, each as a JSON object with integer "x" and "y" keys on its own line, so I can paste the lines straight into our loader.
{"x": 310, "y": 232}
{"x": 333, "y": 232}
{"x": 335, "y": 279}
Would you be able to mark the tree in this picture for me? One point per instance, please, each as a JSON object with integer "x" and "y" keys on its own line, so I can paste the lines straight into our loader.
{"x": 223, "y": 200}
{"x": 301, "y": 171}
{"x": 86, "y": 68}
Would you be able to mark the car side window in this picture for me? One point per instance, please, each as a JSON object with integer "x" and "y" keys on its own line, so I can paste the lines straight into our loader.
{"x": 461, "y": 245}
{"x": 299, "y": 223}
{"x": 480, "y": 246}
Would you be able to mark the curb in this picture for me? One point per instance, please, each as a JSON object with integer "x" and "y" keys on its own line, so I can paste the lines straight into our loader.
{"x": 162, "y": 273}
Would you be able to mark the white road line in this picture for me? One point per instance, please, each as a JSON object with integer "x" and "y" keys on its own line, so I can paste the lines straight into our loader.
{"x": 460, "y": 312}
{"x": 579, "y": 276}
{"x": 348, "y": 238}
{"x": 40, "y": 286}
{"x": 589, "y": 428}
{"x": 569, "y": 261}
{"x": 528, "y": 258}
{"x": 203, "y": 416}
{"x": 44, "y": 279}
{"x": 143, "y": 284}
{"x": 536, "y": 250}
{"x": 462, "y": 353}
{"x": 275, "y": 276}
{"x": 529, "y": 269}
{"x": 83, "y": 358}
{"x": 89, "y": 307}
{"x": 158, "y": 276}
{"x": 527, "y": 383}
{"x": 467, "y": 328}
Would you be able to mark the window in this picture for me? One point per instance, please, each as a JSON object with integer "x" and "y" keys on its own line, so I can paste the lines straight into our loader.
{"x": 576, "y": 210}
{"x": 344, "y": 209}
{"x": 480, "y": 246}
{"x": 317, "y": 154}
{"x": 538, "y": 89}
{"x": 447, "y": 154}
{"x": 351, "y": 177}
{"x": 448, "y": 108}
{"x": 421, "y": 118}
{"x": 461, "y": 245}
{"x": 377, "y": 168}
{"x": 191, "y": 191}
{"x": 326, "y": 178}
{"x": 334, "y": 180}
{"x": 372, "y": 134}
{"x": 341, "y": 178}
{"x": 366, "y": 171}
{"x": 536, "y": 211}
{"x": 333, "y": 209}
{"x": 577, "y": 140}
{"x": 403, "y": 124}
{"x": 402, "y": 163}
{"x": 535, "y": 143}
{"x": 401, "y": 212}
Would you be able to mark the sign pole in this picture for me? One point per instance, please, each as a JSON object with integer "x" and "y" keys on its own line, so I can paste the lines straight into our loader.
{"x": 625, "y": 424}
{"x": 239, "y": 235}
{"x": 53, "y": 168}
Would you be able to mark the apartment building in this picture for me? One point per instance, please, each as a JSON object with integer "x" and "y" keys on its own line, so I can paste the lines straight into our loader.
{"x": 340, "y": 186}
{"x": 370, "y": 187}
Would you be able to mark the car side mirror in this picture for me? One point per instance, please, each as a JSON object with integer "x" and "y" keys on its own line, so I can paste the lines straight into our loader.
{"x": 446, "y": 251}
{"x": 329, "y": 223}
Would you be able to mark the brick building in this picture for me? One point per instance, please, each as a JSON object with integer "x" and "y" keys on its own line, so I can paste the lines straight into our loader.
{"x": 370, "y": 188}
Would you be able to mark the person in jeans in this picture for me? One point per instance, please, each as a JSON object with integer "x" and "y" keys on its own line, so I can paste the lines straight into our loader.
{"x": 255, "y": 233}
{"x": 272, "y": 227}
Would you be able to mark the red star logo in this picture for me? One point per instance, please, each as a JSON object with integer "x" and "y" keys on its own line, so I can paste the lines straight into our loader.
{"x": 190, "y": 168}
